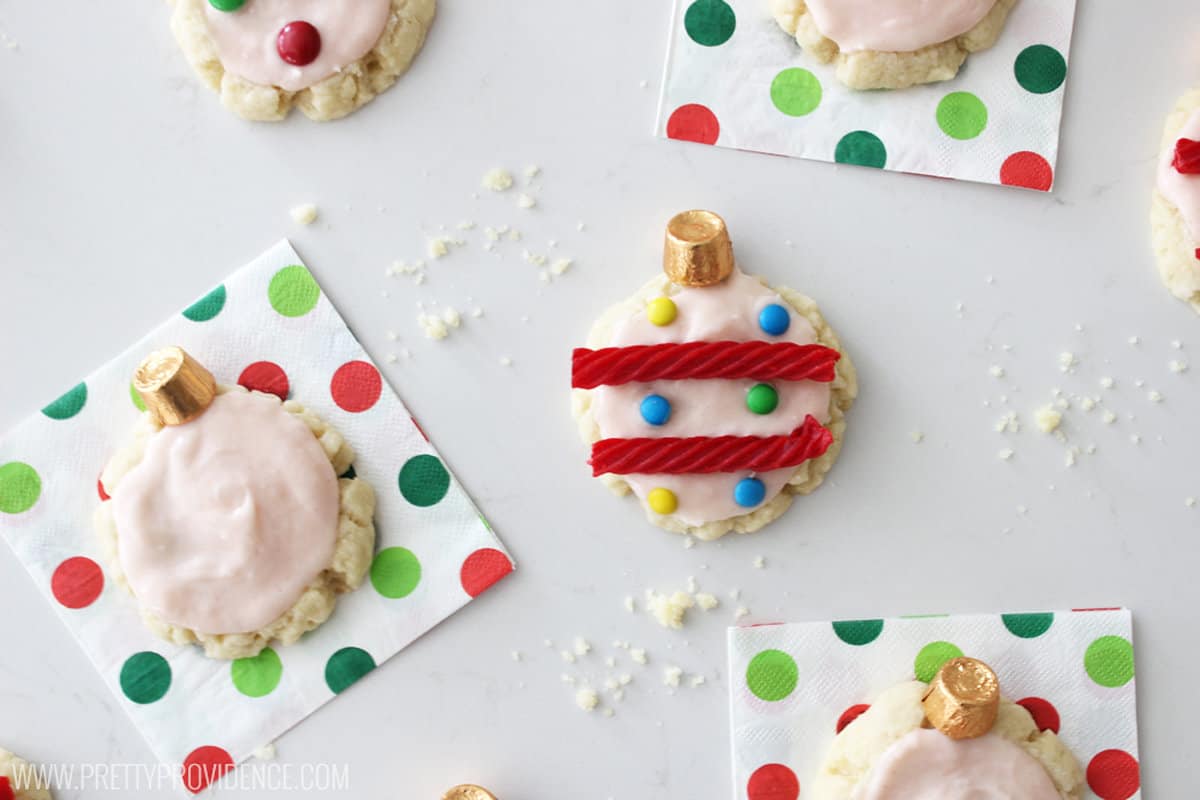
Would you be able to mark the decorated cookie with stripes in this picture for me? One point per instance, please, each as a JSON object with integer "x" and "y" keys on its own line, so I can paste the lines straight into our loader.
{"x": 712, "y": 397}
{"x": 893, "y": 44}
{"x": 1175, "y": 212}
{"x": 227, "y": 519}
{"x": 20, "y": 780}
{"x": 326, "y": 57}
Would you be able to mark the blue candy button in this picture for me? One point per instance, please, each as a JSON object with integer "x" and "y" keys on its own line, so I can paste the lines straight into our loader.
{"x": 749, "y": 492}
{"x": 774, "y": 320}
{"x": 656, "y": 409}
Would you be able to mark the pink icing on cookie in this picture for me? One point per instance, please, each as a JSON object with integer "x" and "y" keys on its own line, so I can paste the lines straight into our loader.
{"x": 896, "y": 26}
{"x": 726, "y": 312}
{"x": 927, "y": 765}
{"x": 1183, "y": 191}
{"x": 247, "y": 40}
{"x": 228, "y": 518}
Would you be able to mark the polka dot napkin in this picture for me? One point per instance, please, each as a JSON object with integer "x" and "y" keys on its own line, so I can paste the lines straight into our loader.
{"x": 794, "y": 687}
{"x": 268, "y": 327}
{"x": 734, "y": 78}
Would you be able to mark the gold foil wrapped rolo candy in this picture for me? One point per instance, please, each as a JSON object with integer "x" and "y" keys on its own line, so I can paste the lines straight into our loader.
{"x": 174, "y": 386}
{"x": 963, "y": 699}
{"x": 698, "y": 250}
{"x": 468, "y": 791}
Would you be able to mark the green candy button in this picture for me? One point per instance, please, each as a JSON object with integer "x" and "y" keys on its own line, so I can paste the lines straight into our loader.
{"x": 227, "y": 5}
{"x": 762, "y": 399}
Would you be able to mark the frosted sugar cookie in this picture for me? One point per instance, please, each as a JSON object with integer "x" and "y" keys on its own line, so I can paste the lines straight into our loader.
{"x": 893, "y": 44}
{"x": 326, "y": 57}
{"x": 955, "y": 737}
{"x": 711, "y": 396}
{"x": 19, "y": 779}
{"x": 1175, "y": 212}
{"x": 227, "y": 521}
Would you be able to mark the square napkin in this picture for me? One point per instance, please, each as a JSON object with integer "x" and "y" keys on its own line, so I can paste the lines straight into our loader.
{"x": 734, "y": 78}
{"x": 794, "y": 687}
{"x": 269, "y": 326}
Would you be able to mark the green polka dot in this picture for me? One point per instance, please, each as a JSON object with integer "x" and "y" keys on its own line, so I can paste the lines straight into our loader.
{"x": 932, "y": 657}
{"x": 1109, "y": 661}
{"x": 145, "y": 677}
{"x": 710, "y": 22}
{"x": 206, "y": 307}
{"x": 796, "y": 92}
{"x": 68, "y": 405}
{"x": 424, "y": 481}
{"x": 772, "y": 675}
{"x": 962, "y": 115}
{"x": 858, "y": 632}
{"x": 1027, "y": 626}
{"x": 395, "y": 572}
{"x": 138, "y": 402}
{"x": 20, "y": 487}
{"x": 259, "y": 675}
{"x": 346, "y": 667}
{"x": 862, "y": 148}
{"x": 293, "y": 291}
{"x": 1040, "y": 69}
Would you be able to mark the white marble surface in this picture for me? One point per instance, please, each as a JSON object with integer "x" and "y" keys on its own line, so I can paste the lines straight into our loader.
{"x": 126, "y": 192}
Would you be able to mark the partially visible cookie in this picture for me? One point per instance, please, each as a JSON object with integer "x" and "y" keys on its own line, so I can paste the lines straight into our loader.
{"x": 326, "y": 57}
{"x": 1175, "y": 210}
{"x": 887, "y": 753}
{"x": 19, "y": 780}
{"x": 893, "y": 44}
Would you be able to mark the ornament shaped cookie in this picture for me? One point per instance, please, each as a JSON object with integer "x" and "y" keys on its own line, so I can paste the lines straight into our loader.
{"x": 19, "y": 779}
{"x": 893, "y": 44}
{"x": 326, "y": 57}
{"x": 1175, "y": 212}
{"x": 955, "y": 737}
{"x": 228, "y": 522}
{"x": 712, "y": 397}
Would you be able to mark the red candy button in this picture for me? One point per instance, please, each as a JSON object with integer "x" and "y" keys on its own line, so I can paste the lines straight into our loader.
{"x": 299, "y": 43}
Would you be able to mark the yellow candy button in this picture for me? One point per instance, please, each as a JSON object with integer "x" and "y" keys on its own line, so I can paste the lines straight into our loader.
{"x": 661, "y": 311}
{"x": 662, "y": 501}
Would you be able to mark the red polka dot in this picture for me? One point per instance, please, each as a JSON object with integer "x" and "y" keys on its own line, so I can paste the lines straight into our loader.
{"x": 849, "y": 715}
{"x": 482, "y": 569}
{"x": 266, "y": 377}
{"x": 100, "y": 491}
{"x": 77, "y": 582}
{"x": 1028, "y": 170}
{"x": 299, "y": 43}
{"x": 694, "y": 123}
{"x": 1044, "y": 714}
{"x": 203, "y": 766}
{"x": 773, "y": 782}
{"x": 6, "y": 790}
{"x": 1114, "y": 775}
{"x": 356, "y": 386}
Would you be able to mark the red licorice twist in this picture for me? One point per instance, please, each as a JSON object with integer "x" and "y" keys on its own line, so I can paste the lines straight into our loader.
{"x": 613, "y": 366}
{"x": 702, "y": 455}
{"x": 1187, "y": 157}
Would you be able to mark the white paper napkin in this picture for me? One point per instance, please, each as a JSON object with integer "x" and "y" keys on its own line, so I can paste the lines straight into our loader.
{"x": 793, "y": 686}
{"x": 435, "y": 552}
{"x": 734, "y": 78}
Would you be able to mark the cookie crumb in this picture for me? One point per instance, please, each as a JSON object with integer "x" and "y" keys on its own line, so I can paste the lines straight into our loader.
{"x": 532, "y": 171}
{"x": 996, "y": 371}
{"x": 305, "y": 214}
{"x": 265, "y": 753}
{"x": 759, "y": 562}
{"x": 516, "y": 655}
{"x": 630, "y": 604}
{"x": 1109, "y": 417}
{"x": 498, "y": 180}
{"x": 688, "y": 542}
{"x": 560, "y": 266}
{"x": 433, "y": 326}
{"x": 669, "y": 610}
{"x": 1048, "y": 419}
{"x": 741, "y": 612}
{"x": 505, "y": 361}
{"x": 706, "y": 601}
{"x": 582, "y": 646}
{"x": 1135, "y": 340}
{"x": 1178, "y": 367}
{"x": 567, "y": 656}
{"x": 672, "y": 676}
{"x": 1006, "y": 454}
{"x": 1067, "y": 362}
{"x": 1190, "y": 502}
{"x": 917, "y": 437}
{"x": 1107, "y": 382}
{"x": 638, "y": 655}
{"x": 587, "y": 699}
{"x": 608, "y": 712}
{"x": 526, "y": 200}
{"x": 1154, "y": 396}
{"x": 438, "y": 247}
{"x": 697, "y": 681}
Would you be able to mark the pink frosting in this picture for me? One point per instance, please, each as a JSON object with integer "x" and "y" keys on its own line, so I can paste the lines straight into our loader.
{"x": 927, "y": 765}
{"x": 897, "y": 26}
{"x": 1182, "y": 190}
{"x": 228, "y": 518}
{"x": 246, "y": 38}
{"x": 726, "y": 312}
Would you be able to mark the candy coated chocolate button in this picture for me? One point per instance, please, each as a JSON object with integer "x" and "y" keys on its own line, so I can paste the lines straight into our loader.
{"x": 299, "y": 43}
{"x": 749, "y": 492}
{"x": 656, "y": 409}
{"x": 762, "y": 399}
{"x": 662, "y": 501}
{"x": 774, "y": 320}
{"x": 227, "y": 5}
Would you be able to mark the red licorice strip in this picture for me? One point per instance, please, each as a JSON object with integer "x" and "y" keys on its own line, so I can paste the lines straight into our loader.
{"x": 1187, "y": 157}
{"x": 702, "y": 455}
{"x": 613, "y": 366}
